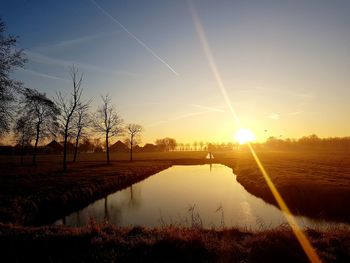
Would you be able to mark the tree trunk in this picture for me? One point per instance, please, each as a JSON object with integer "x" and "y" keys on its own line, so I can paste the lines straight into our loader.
{"x": 131, "y": 149}
{"x": 36, "y": 143}
{"x": 22, "y": 146}
{"x": 65, "y": 149}
{"x": 76, "y": 150}
{"x": 107, "y": 148}
{"x": 76, "y": 147}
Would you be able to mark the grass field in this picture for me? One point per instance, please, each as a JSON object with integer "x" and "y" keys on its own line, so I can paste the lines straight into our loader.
{"x": 37, "y": 195}
{"x": 314, "y": 184}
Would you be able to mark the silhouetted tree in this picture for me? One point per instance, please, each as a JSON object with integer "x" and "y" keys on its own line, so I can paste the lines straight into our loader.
{"x": 166, "y": 144}
{"x": 149, "y": 147}
{"x": 68, "y": 107}
{"x": 97, "y": 146}
{"x": 24, "y": 132}
{"x": 195, "y": 144}
{"x": 181, "y": 146}
{"x": 201, "y": 144}
{"x": 43, "y": 112}
{"x": 86, "y": 145}
{"x": 134, "y": 130}
{"x": 171, "y": 144}
{"x": 10, "y": 59}
{"x": 81, "y": 122}
{"x": 108, "y": 122}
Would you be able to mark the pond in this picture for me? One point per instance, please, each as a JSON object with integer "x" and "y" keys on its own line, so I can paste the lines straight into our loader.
{"x": 206, "y": 195}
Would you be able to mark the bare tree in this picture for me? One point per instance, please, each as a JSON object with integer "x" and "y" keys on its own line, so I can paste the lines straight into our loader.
{"x": 201, "y": 144}
{"x": 86, "y": 145}
{"x": 81, "y": 122}
{"x": 43, "y": 112}
{"x": 24, "y": 133}
{"x": 10, "y": 59}
{"x": 166, "y": 144}
{"x": 195, "y": 144}
{"x": 134, "y": 131}
{"x": 68, "y": 108}
{"x": 108, "y": 122}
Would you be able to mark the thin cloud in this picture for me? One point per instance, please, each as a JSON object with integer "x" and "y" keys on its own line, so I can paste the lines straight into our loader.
{"x": 295, "y": 113}
{"x": 191, "y": 114}
{"x": 156, "y": 123}
{"x": 43, "y": 75}
{"x": 274, "y": 116}
{"x": 42, "y": 59}
{"x": 304, "y": 96}
{"x": 300, "y": 95}
{"x": 151, "y": 51}
{"x": 208, "y": 108}
{"x": 187, "y": 115}
{"x": 76, "y": 41}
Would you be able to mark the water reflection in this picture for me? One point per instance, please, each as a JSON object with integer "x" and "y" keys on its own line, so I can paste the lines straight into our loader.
{"x": 210, "y": 196}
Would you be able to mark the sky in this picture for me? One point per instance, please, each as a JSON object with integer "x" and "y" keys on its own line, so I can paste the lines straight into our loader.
{"x": 282, "y": 68}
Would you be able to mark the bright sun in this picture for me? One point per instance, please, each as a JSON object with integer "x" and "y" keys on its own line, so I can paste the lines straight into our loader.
{"x": 244, "y": 135}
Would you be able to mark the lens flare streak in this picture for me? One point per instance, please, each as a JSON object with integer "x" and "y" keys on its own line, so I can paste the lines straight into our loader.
{"x": 298, "y": 232}
{"x": 210, "y": 57}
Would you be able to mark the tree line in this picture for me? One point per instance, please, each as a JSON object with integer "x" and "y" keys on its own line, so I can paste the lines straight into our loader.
{"x": 308, "y": 142}
{"x": 32, "y": 116}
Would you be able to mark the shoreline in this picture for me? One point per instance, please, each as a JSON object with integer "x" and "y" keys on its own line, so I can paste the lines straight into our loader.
{"x": 62, "y": 193}
{"x": 57, "y": 194}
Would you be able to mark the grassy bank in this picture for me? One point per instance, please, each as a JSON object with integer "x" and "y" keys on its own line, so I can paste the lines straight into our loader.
{"x": 108, "y": 243}
{"x": 312, "y": 184}
{"x": 39, "y": 195}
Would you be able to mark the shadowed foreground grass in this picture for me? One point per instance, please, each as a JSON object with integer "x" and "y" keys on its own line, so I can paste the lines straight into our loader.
{"x": 40, "y": 195}
{"x": 109, "y": 243}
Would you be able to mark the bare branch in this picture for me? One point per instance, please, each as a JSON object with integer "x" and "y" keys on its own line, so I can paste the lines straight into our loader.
{"x": 107, "y": 121}
{"x": 69, "y": 106}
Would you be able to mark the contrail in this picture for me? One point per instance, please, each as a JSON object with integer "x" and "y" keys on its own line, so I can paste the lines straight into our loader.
{"x": 207, "y": 108}
{"x": 134, "y": 37}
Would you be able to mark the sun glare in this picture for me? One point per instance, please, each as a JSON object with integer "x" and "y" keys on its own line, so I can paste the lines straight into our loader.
{"x": 244, "y": 135}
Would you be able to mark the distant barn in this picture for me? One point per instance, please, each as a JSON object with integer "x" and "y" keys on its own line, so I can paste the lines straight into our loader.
{"x": 53, "y": 147}
{"x": 119, "y": 146}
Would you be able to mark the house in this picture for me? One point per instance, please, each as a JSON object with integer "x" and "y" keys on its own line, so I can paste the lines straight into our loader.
{"x": 53, "y": 147}
{"x": 119, "y": 146}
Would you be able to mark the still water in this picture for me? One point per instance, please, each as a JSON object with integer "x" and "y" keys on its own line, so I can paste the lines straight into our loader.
{"x": 202, "y": 194}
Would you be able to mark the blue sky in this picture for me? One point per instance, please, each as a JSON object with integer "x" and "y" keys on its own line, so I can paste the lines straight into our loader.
{"x": 285, "y": 64}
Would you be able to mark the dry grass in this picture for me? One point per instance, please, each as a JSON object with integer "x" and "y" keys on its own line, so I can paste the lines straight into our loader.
{"x": 312, "y": 184}
{"x": 37, "y": 195}
{"x": 109, "y": 243}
